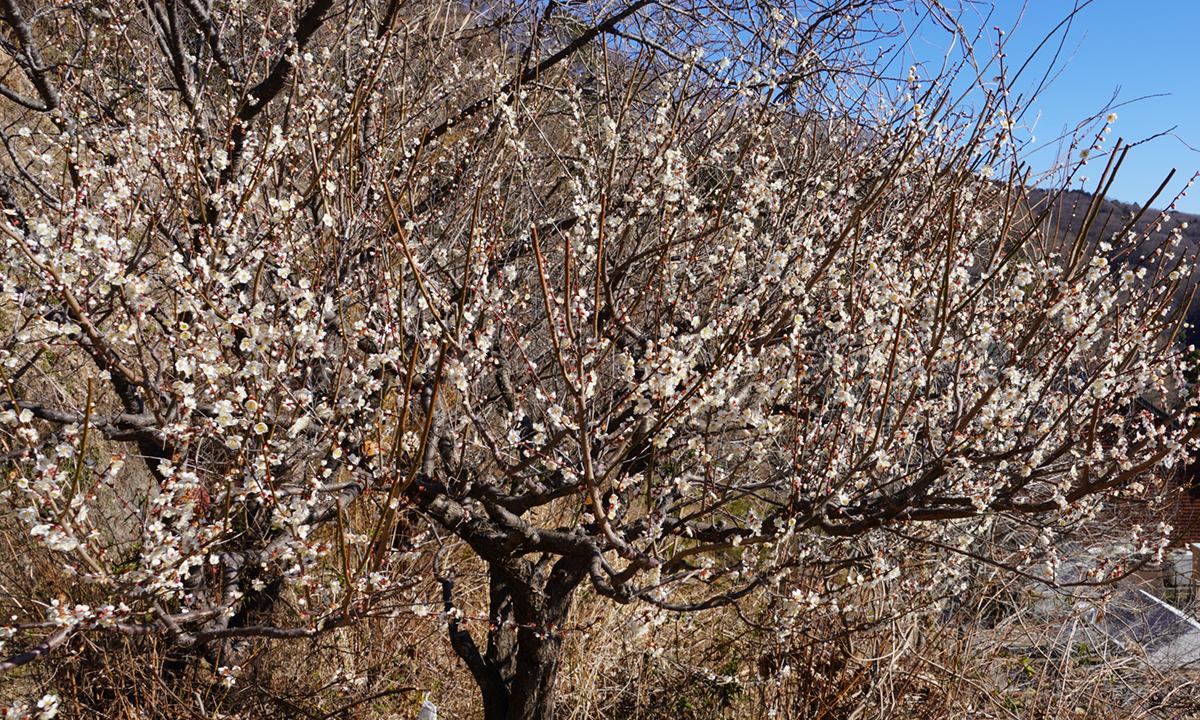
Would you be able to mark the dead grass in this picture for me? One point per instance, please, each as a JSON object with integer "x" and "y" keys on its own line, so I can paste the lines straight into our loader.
{"x": 932, "y": 665}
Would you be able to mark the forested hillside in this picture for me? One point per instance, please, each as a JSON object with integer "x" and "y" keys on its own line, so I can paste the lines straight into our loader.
{"x": 1150, "y": 238}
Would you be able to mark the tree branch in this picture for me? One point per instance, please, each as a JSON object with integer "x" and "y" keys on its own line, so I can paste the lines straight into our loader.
{"x": 31, "y": 62}
{"x": 41, "y": 649}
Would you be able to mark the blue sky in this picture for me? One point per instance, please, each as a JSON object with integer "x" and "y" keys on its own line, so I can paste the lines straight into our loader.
{"x": 1144, "y": 52}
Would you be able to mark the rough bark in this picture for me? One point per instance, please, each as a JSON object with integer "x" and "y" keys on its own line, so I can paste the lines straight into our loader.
{"x": 517, "y": 674}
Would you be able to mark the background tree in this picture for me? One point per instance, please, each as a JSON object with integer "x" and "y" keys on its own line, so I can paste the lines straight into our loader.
{"x": 676, "y": 303}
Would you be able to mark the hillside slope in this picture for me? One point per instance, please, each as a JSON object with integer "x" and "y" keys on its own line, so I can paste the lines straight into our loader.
{"x": 1114, "y": 218}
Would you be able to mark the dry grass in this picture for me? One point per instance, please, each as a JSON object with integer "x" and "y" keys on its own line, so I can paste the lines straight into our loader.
{"x": 983, "y": 658}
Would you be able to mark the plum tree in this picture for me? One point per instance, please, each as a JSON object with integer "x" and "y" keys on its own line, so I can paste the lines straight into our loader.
{"x": 681, "y": 303}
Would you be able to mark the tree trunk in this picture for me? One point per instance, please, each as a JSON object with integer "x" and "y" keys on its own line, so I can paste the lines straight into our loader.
{"x": 540, "y": 610}
{"x": 516, "y": 676}
{"x": 532, "y": 689}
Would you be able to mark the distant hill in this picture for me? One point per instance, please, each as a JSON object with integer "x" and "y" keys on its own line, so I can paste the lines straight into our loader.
{"x": 1114, "y": 216}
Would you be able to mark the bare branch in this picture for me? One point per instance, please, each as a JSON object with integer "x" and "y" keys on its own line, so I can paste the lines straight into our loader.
{"x": 30, "y": 61}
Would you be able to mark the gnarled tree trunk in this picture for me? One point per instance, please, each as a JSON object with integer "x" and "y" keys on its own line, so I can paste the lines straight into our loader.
{"x": 529, "y": 604}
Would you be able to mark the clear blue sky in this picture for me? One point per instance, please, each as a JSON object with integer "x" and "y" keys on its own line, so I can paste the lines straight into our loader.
{"x": 1148, "y": 53}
